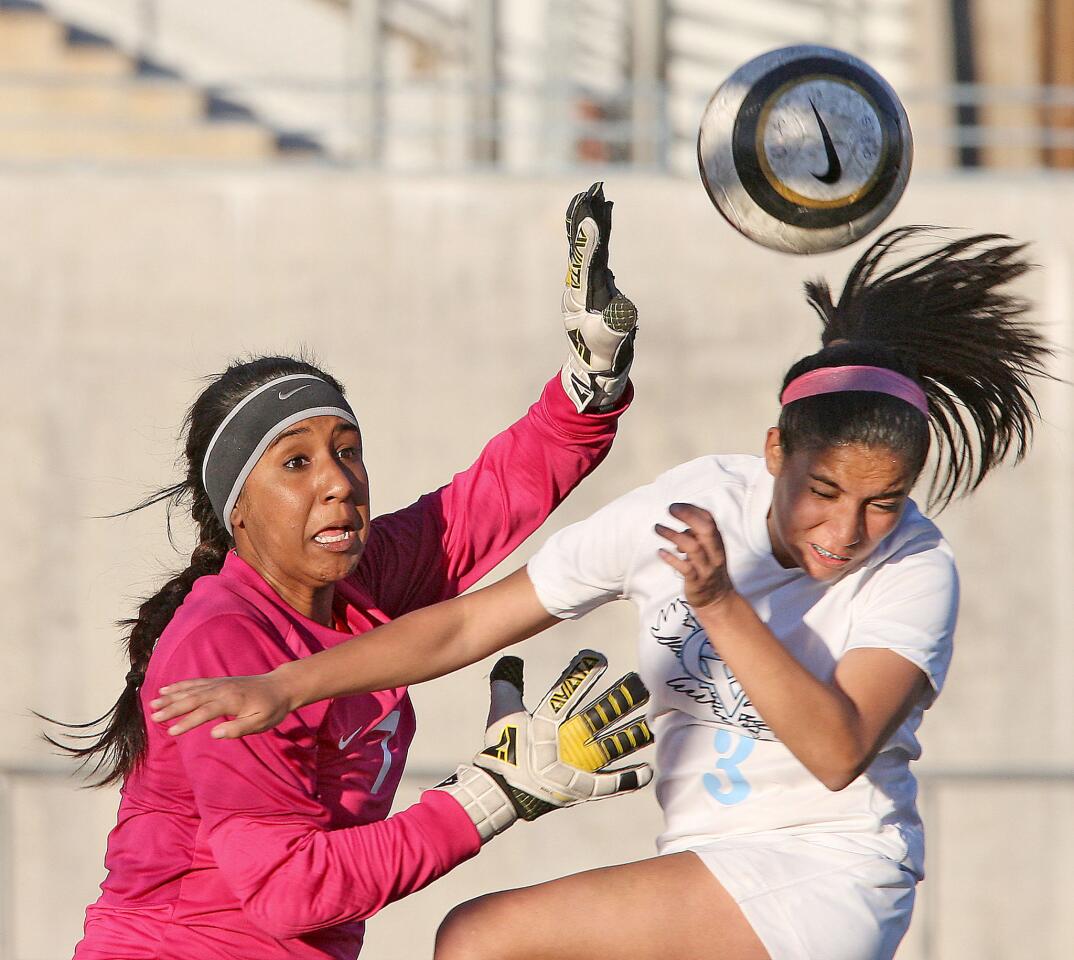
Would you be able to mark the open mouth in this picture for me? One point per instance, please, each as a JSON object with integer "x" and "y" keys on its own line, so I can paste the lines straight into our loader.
{"x": 836, "y": 559}
{"x": 336, "y": 536}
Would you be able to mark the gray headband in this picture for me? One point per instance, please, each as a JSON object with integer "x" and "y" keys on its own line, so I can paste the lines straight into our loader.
{"x": 258, "y": 419}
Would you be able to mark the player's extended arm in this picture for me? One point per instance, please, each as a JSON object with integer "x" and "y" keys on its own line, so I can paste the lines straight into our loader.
{"x": 271, "y": 834}
{"x": 422, "y": 645}
{"x": 834, "y": 728}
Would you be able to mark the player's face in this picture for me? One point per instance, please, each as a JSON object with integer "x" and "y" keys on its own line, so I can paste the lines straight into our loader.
{"x": 832, "y": 507}
{"x": 302, "y": 518}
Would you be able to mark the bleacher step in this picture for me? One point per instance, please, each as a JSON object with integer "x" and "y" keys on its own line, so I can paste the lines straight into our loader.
{"x": 67, "y": 94}
{"x": 199, "y": 142}
{"x": 120, "y": 100}
{"x": 30, "y": 42}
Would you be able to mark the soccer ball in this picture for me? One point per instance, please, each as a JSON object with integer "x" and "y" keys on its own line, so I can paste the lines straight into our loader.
{"x": 805, "y": 149}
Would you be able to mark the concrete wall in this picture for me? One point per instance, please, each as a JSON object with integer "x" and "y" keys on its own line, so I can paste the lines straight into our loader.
{"x": 436, "y": 301}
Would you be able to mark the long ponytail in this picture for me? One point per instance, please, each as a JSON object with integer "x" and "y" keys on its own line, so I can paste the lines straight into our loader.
{"x": 942, "y": 318}
{"x": 115, "y": 743}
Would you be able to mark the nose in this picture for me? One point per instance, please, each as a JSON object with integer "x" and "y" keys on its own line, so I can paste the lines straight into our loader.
{"x": 337, "y": 480}
{"x": 849, "y": 528}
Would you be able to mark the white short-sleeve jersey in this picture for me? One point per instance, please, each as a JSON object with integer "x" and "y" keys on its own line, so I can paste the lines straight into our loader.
{"x": 720, "y": 770}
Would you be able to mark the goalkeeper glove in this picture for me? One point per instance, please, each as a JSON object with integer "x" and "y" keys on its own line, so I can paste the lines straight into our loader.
{"x": 556, "y": 756}
{"x": 601, "y": 323}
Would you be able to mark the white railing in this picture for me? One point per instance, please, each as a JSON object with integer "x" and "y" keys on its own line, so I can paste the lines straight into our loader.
{"x": 436, "y": 127}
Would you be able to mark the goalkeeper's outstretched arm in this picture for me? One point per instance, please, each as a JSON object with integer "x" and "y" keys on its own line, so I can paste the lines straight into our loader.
{"x": 422, "y": 645}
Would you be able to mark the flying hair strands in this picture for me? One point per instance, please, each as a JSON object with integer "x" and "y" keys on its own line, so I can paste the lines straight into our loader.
{"x": 944, "y": 314}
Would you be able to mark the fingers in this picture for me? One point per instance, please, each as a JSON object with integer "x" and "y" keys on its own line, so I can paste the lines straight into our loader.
{"x": 621, "y": 698}
{"x": 589, "y": 204}
{"x": 175, "y": 705}
{"x": 620, "y": 317}
{"x": 696, "y": 556}
{"x": 195, "y": 718}
{"x": 584, "y": 242}
{"x": 574, "y": 683}
{"x": 585, "y": 740}
{"x": 182, "y": 686}
{"x": 233, "y": 729}
{"x": 196, "y": 702}
{"x": 588, "y": 229}
{"x": 510, "y": 669}
{"x": 700, "y": 541}
{"x": 237, "y": 728}
{"x": 505, "y": 690}
{"x": 623, "y": 741}
{"x": 691, "y": 513}
{"x": 610, "y": 783}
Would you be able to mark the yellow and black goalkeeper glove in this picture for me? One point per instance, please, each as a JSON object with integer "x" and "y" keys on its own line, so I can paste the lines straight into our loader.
{"x": 556, "y": 756}
{"x": 601, "y": 322}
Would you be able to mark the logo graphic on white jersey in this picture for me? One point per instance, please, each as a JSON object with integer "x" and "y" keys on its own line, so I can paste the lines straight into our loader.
{"x": 708, "y": 679}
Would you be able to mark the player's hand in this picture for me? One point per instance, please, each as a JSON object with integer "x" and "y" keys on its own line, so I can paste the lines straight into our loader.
{"x": 699, "y": 555}
{"x": 557, "y": 755}
{"x": 255, "y": 703}
{"x": 601, "y": 322}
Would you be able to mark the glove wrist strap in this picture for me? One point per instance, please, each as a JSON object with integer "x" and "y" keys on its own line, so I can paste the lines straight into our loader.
{"x": 484, "y": 800}
{"x": 527, "y": 806}
{"x": 591, "y": 391}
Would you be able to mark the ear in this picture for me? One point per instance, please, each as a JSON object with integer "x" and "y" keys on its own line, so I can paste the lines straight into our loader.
{"x": 773, "y": 452}
{"x": 236, "y": 514}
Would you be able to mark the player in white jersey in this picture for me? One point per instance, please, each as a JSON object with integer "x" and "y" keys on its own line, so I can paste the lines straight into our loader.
{"x": 796, "y": 619}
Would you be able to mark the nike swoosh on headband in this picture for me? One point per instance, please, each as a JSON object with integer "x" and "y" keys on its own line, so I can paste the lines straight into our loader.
{"x": 291, "y": 393}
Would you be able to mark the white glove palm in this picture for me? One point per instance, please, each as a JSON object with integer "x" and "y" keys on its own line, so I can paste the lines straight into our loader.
{"x": 554, "y": 757}
{"x": 601, "y": 322}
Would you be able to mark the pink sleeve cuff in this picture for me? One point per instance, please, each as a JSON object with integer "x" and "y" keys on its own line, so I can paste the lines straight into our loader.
{"x": 559, "y": 408}
{"x": 457, "y": 830}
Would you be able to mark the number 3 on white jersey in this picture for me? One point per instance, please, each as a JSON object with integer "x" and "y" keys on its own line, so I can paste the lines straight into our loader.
{"x": 730, "y": 786}
{"x": 387, "y": 726}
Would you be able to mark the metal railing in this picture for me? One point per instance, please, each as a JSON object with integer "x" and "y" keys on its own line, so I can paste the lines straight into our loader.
{"x": 434, "y": 127}
{"x": 493, "y": 99}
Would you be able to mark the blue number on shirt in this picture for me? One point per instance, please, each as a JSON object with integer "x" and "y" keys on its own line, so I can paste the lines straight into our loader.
{"x": 730, "y": 787}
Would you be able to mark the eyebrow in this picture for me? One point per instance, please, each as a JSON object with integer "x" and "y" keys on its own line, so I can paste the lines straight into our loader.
{"x": 344, "y": 427}
{"x": 896, "y": 492}
{"x": 293, "y": 432}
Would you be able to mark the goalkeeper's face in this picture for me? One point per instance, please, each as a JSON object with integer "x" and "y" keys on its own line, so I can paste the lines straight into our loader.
{"x": 302, "y": 518}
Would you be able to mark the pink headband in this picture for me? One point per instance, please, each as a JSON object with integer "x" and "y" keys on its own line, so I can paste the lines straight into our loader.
{"x": 841, "y": 379}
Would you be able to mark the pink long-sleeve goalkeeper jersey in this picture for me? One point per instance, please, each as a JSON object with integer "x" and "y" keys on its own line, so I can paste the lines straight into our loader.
{"x": 279, "y": 845}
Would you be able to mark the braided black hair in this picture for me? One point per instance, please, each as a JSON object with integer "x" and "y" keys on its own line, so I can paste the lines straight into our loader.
{"x": 119, "y": 747}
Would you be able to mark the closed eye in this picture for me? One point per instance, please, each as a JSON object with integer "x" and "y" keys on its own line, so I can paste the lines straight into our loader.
{"x": 822, "y": 494}
{"x": 887, "y": 506}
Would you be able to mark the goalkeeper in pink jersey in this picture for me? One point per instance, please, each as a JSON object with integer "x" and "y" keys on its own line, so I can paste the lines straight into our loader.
{"x": 281, "y": 845}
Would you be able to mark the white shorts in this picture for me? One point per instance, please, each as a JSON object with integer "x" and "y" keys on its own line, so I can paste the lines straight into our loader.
{"x": 807, "y": 900}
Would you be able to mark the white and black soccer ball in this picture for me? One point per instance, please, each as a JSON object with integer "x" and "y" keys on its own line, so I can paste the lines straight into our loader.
{"x": 805, "y": 149}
